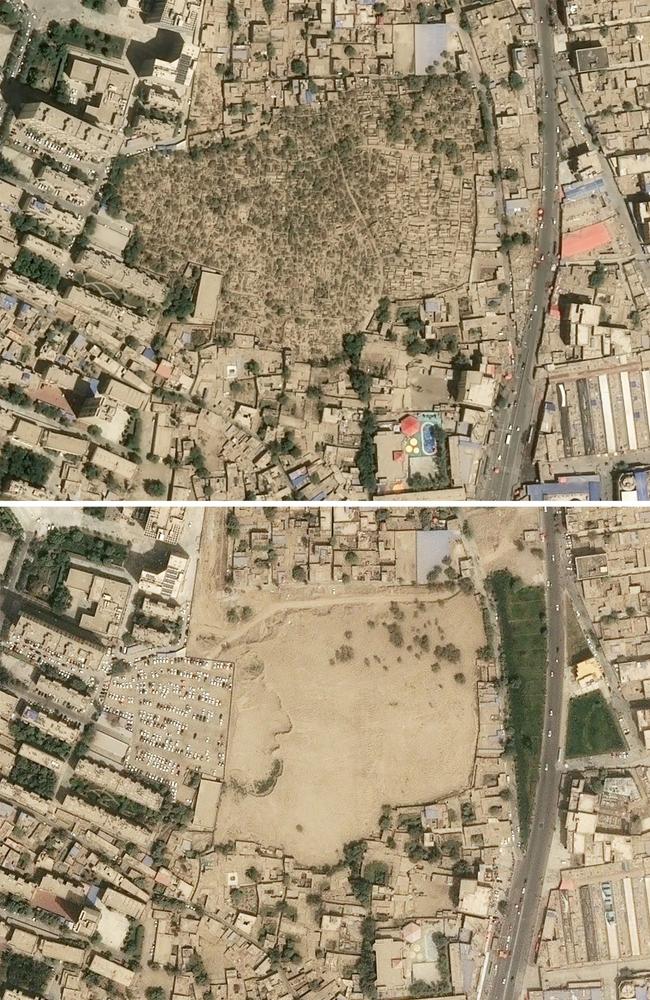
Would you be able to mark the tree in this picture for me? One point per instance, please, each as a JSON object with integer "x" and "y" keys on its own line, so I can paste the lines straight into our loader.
{"x": 180, "y": 300}
{"x": 60, "y": 599}
{"x": 269, "y": 7}
{"x": 232, "y": 524}
{"x": 298, "y": 67}
{"x": 133, "y": 248}
{"x": 383, "y": 311}
{"x": 154, "y": 487}
{"x": 232, "y": 17}
{"x": 31, "y": 265}
{"x": 353, "y": 346}
{"x": 299, "y": 573}
{"x": 515, "y": 81}
{"x": 24, "y": 973}
{"x": 366, "y": 457}
{"x": 597, "y": 276}
{"x": 22, "y": 464}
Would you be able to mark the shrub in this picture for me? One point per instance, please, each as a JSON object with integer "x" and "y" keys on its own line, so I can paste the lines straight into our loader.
{"x": 154, "y": 487}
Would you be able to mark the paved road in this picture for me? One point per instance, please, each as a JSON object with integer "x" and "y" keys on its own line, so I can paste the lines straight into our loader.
{"x": 611, "y": 761}
{"x": 519, "y": 923}
{"x": 513, "y": 425}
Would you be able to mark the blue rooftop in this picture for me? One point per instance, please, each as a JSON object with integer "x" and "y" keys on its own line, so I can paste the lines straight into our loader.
{"x": 575, "y": 484}
{"x": 641, "y": 483}
{"x": 582, "y": 189}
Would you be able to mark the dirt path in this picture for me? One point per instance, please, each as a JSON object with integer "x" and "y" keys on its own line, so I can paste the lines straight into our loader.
{"x": 404, "y": 595}
{"x": 364, "y": 221}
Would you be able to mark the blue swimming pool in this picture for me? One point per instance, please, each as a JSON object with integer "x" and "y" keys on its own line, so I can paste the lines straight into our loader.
{"x": 429, "y": 443}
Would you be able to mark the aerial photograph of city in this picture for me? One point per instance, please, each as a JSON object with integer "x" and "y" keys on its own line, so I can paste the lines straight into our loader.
{"x": 325, "y": 753}
{"x": 324, "y": 499}
{"x": 338, "y": 250}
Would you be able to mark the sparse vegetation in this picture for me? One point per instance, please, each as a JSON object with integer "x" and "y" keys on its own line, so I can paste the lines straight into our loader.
{"x": 297, "y": 299}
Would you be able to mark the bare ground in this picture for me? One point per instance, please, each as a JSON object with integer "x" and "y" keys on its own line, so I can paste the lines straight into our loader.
{"x": 374, "y": 725}
{"x": 498, "y": 536}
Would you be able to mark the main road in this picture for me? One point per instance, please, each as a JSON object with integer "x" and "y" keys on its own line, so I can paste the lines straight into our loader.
{"x": 513, "y": 424}
{"x": 519, "y": 922}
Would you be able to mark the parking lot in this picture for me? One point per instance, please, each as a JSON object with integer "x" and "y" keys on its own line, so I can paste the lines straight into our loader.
{"x": 174, "y": 711}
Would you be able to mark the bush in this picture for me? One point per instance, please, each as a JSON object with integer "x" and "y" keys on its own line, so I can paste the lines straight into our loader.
{"x": 34, "y": 777}
{"x": 154, "y": 487}
{"x": 22, "y": 464}
{"x": 180, "y": 300}
{"x": 366, "y": 458}
{"x": 31, "y": 265}
{"x": 133, "y": 941}
{"x": 24, "y": 973}
{"x": 597, "y": 276}
{"x": 366, "y": 966}
{"x": 232, "y": 17}
{"x": 133, "y": 248}
{"x": 24, "y": 733}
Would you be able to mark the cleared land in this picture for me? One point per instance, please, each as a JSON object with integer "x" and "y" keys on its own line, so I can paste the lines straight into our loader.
{"x": 316, "y": 217}
{"x": 522, "y": 622}
{"x": 591, "y": 728}
{"x": 326, "y": 729}
{"x": 498, "y": 536}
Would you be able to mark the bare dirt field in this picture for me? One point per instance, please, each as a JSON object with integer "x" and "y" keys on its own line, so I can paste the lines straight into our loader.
{"x": 207, "y": 599}
{"x": 498, "y": 536}
{"x": 312, "y": 220}
{"x": 332, "y": 716}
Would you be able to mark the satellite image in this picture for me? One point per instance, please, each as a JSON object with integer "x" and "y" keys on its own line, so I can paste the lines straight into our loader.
{"x": 324, "y": 754}
{"x": 340, "y": 250}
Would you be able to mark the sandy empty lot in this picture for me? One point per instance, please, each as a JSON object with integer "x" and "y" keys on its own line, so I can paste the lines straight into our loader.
{"x": 494, "y": 533}
{"x": 352, "y": 733}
